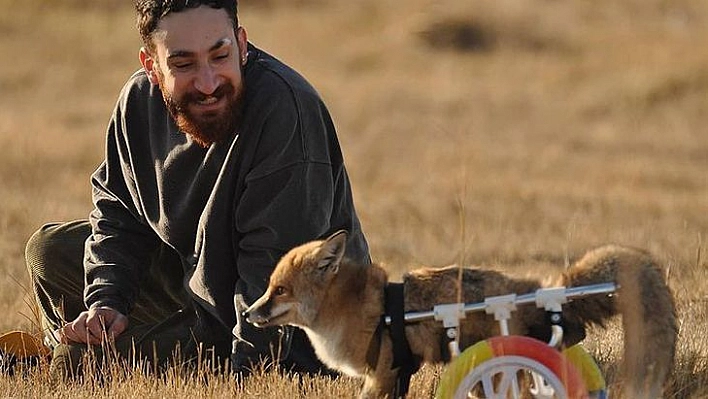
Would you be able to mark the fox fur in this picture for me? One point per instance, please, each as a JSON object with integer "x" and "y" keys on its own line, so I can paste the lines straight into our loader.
{"x": 339, "y": 305}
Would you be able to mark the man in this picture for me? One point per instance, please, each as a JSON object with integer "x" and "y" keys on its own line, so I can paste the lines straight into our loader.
{"x": 219, "y": 159}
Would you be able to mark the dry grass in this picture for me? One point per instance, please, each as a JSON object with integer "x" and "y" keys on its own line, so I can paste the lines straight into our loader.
{"x": 502, "y": 132}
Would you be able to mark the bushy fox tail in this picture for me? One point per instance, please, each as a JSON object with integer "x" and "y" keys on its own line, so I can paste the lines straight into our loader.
{"x": 647, "y": 307}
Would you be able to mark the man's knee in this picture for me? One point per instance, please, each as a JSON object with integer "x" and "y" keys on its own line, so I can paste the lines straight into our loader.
{"x": 54, "y": 245}
{"x": 38, "y": 250}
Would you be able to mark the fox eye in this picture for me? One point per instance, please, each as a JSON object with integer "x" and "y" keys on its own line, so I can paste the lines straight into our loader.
{"x": 280, "y": 290}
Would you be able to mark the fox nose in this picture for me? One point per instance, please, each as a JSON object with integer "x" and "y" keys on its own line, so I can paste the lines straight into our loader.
{"x": 251, "y": 317}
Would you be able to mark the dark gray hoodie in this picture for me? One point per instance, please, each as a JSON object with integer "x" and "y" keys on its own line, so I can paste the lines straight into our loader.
{"x": 230, "y": 210}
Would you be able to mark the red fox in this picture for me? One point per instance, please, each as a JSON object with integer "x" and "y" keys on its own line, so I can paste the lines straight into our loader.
{"x": 339, "y": 304}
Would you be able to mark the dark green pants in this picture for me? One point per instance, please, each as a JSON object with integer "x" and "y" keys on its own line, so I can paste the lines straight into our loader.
{"x": 162, "y": 320}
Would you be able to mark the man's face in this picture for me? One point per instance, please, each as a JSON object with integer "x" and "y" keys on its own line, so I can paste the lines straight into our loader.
{"x": 197, "y": 61}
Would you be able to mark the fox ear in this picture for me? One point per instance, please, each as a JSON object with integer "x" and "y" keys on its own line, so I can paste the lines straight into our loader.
{"x": 332, "y": 251}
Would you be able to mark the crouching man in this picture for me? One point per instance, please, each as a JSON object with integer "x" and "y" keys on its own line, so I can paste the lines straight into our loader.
{"x": 219, "y": 158}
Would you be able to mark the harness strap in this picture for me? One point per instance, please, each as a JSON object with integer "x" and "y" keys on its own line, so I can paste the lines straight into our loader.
{"x": 402, "y": 356}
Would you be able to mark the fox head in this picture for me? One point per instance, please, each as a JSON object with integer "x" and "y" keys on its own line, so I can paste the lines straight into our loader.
{"x": 298, "y": 286}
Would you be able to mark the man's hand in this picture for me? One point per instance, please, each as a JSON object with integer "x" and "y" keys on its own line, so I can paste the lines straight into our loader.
{"x": 93, "y": 325}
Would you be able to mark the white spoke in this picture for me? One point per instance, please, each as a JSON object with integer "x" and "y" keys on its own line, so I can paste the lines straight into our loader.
{"x": 488, "y": 385}
{"x": 509, "y": 383}
{"x": 498, "y": 378}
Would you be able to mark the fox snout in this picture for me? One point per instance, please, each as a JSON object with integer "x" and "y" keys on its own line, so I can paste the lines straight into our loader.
{"x": 271, "y": 310}
{"x": 258, "y": 314}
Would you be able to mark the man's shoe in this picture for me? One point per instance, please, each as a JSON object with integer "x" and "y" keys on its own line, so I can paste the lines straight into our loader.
{"x": 19, "y": 347}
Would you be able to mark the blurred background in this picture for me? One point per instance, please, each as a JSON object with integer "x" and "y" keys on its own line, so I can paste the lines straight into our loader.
{"x": 509, "y": 133}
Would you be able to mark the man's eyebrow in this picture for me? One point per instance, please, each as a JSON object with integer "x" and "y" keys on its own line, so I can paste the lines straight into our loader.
{"x": 221, "y": 43}
{"x": 180, "y": 53}
{"x": 184, "y": 53}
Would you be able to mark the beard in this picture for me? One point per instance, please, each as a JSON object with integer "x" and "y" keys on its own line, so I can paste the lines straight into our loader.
{"x": 209, "y": 127}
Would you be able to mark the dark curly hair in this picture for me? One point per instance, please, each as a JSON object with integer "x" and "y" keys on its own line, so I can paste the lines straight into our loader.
{"x": 150, "y": 12}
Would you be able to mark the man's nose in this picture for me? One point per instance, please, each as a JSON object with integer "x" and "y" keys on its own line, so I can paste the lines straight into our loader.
{"x": 207, "y": 80}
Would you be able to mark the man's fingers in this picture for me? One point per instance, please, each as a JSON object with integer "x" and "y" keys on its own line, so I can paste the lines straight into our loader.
{"x": 119, "y": 325}
{"x": 90, "y": 330}
{"x": 68, "y": 335}
{"x": 75, "y": 331}
{"x": 91, "y": 326}
{"x": 96, "y": 325}
{"x": 105, "y": 320}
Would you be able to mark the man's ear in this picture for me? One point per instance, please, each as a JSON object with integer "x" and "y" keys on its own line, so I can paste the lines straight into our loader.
{"x": 149, "y": 65}
{"x": 332, "y": 251}
{"x": 242, "y": 39}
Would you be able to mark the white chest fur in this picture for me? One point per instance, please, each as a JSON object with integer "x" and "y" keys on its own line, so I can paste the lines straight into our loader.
{"x": 332, "y": 347}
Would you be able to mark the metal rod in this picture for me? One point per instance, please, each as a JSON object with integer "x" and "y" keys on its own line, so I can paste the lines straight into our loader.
{"x": 525, "y": 299}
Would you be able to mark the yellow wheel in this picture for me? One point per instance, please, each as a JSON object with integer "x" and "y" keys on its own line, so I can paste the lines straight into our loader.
{"x": 590, "y": 372}
{"x": 492, "y": 367}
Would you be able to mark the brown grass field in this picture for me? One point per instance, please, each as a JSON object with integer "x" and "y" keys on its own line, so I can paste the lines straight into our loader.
{"x": 508, "y": 133}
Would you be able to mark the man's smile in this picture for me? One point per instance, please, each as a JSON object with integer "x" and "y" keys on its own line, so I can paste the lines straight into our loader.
{"x": 209, "y": 104}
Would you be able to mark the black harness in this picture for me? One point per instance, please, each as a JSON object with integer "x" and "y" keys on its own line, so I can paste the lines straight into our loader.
{"x": 403, "y": 358}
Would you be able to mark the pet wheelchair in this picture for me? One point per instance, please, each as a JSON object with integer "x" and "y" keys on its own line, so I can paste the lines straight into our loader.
{"x": 509, "y": 366}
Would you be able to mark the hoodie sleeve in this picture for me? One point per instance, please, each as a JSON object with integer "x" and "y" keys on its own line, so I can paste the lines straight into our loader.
{"x": 121, "y": 243}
